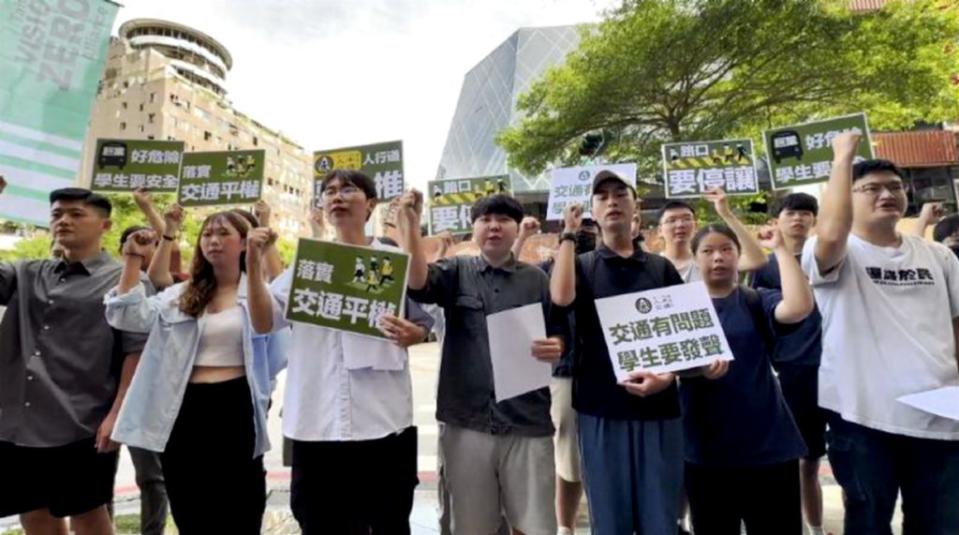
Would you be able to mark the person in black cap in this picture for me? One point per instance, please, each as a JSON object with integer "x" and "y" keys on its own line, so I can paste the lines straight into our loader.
{"x": 631, "y": 436}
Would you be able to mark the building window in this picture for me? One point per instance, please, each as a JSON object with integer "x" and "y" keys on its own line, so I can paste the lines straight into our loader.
{"x": 141, "y": 106}
{"x": 123, "y": 105}
{"x": 123, "y": 126}
{"x": 150, "y": 137}
{"x": 256, "y": 142}
{"x": 153, "y": 98}
{"x": 207, "y": 136}
{"x": 142, "y": 129}
{"x": 151, "y": 118}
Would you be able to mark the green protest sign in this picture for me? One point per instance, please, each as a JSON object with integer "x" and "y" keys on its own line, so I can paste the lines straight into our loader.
{"x": 452, "y": 200}
{"x": 346, "y": 287}
{"x": 213, "y": 178}
{"x": 802, "y": 154}
{"x": 694, "y": 167}
{"x": 383, "y": 162}
{"x": 128, "y": 164}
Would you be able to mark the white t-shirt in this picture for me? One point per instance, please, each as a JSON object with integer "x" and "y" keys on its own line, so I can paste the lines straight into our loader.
{"x": 690, "y": 273}
{"x": 887, "y": 332}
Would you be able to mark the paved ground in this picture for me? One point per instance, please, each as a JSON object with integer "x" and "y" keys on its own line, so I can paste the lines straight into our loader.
{"x": 424, "y": 366}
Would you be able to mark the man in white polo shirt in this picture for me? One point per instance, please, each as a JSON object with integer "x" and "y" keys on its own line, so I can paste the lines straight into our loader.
{"x": 890, "y": 304}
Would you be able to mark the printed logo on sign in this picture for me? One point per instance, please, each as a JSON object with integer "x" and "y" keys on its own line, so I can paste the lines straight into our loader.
{"x": 324, "y": 164}
{"x": 644, "y": 305}
{"x": 584, "y": 176}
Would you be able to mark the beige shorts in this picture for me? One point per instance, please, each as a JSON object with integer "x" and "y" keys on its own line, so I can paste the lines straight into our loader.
{"x": 491, "y": 476}
{"x": 566, "y": 441}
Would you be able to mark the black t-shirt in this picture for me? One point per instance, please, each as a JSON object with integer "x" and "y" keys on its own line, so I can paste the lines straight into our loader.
{"x": 603, "y": 273}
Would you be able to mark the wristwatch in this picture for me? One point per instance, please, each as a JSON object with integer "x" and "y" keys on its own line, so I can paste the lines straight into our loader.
{"x": 571, "y": 236}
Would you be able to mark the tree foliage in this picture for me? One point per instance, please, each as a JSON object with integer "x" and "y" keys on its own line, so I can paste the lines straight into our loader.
{"x": 656, "y": 71}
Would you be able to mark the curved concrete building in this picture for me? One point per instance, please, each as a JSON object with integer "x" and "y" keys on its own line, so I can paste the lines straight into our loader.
{"x": 195, "y": 55}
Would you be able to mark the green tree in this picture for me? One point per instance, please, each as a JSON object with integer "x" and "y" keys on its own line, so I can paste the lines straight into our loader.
{"x": 656, "y": 71}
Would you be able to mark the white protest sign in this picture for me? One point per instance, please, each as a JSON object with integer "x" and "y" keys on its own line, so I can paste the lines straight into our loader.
{"x": 943, "y": 402}
{"x": 571, "y": 185}
{"x": 511, "y": 336}
{"x": 662, "y": 330}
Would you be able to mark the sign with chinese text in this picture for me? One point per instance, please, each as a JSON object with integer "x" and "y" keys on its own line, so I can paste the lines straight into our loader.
{"x": 662, "y": 330}
{"x": 218, "y": 178}
{"x": 694, "y": 167}
{"x": 128, "y": 164}
{"x": 574, "y": 185}
{"x": 452, "y": 200}
{"x": 383, "y": 162}
{"x": 802, "y": 154}
{"x": 346, "y": 287}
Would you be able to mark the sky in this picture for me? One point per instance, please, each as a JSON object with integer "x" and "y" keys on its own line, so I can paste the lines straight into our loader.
{"x": 334, "y": 73}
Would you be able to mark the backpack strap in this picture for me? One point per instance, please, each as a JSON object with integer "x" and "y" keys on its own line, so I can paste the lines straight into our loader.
{"x": 754, "y": 303}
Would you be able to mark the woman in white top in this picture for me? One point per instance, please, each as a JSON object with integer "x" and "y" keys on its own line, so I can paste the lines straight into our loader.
{"x": 200, "y": 392}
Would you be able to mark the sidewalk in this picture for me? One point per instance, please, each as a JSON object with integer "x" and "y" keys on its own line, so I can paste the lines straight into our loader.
{"x": 424, "y": 366}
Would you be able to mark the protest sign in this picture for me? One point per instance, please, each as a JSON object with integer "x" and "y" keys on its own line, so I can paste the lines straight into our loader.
{"x": 383, "y": 162}
{"x": 692, "y": 168}
{"x": 662, "y": 330}
{"x": 128, "y": 164}
{"x": 215, "y": 178}
{"x": 346, "y": 287}
{"x": 802, "y": 154}
{"x": 574, "y": 185}
{"x": 511, "y": 336}
{"x": 452, "y": 200}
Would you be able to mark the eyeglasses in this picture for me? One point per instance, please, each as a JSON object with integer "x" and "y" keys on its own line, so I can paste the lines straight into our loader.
{"x": 876, "y": 188}
{"x": 345, "y": 191}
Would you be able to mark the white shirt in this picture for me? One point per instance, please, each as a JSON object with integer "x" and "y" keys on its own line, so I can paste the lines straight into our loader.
{"x": 887, "y": 332}
{"x": 341, "y": 386}
{"x": 689, "y": 273}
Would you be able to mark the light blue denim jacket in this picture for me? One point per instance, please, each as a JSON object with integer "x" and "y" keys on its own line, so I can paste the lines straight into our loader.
{"x": 153, "y": 400}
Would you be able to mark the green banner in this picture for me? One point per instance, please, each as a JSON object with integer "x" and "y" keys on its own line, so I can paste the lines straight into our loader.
{"x": 346, "y": 287}
{"x": 691, "y": 168}
{"x": 452, "y": 200}
{"x": 128, "y": 164}
{"x": 383, "y": 162}
{"x": 51, "y": 59}
{"x": 802, "y": 154}
{"x": 217, "y": 178}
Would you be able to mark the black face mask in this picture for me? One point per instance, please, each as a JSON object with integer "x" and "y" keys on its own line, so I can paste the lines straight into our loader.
{"x": 585, "y": 242}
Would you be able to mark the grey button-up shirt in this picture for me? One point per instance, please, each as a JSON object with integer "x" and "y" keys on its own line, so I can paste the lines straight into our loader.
{"x": 468, "y": 289}
{"x": 60, "y": 361}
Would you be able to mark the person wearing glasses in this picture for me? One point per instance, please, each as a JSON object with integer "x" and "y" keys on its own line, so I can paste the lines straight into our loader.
{"x": 890, "y": 307}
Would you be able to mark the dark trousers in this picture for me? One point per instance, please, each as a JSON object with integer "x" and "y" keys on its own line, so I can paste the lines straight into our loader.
{"x": 153, "y": 499}
{"x": 873, "y": 467}
{"x": 764, "y": 498}
{"x": 213, "y": 482}
{"x": 350, "y": 488}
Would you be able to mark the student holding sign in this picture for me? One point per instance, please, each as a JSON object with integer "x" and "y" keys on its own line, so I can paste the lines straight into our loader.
{"x": 630, "y": 434}
{"x": 742, "y": 445}
{"x": 349, "y": 402}
{"x": 890, "y": 306}
{"x": 203, "y": 384}
{"x": 498, "y": 456}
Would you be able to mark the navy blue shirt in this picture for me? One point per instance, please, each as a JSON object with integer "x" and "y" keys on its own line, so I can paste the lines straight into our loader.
{"x": 595, "y": 390}
{"x": 741, "y": 418}
{"x": 803, "y": 346}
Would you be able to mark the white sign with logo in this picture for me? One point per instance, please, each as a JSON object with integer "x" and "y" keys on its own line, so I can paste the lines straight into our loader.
{"x": 662, "y": 330}
{"x": 572, "y": 185}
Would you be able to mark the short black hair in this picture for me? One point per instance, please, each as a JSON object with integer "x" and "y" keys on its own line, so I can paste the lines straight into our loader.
{"x": 498, "y": 204}
{"x": 946, "y": 227}
{"x": 127, "y": 232}
{"x": 714, "y": 228}
{"x": 674, "y": 205}
{"x": 83, "y": 195}
{"x": 803, "y": 202}
{"x": 350, "y": 176}
{"x": 866, "y": 167}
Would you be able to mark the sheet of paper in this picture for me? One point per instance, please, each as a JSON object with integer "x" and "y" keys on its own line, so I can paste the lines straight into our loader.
{"x": 942, "y": 402}
{"x": 511, "y": 335}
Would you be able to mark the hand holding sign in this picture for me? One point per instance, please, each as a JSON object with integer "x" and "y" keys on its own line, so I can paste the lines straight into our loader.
{"x": 547, "y": 349}
{"x": 643, "y": 383}
{"x": 572, "y": 218}
{"x": 845, "y": 145}
{"x": 403, "y": 333}
{"x": 716, "y": 369}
